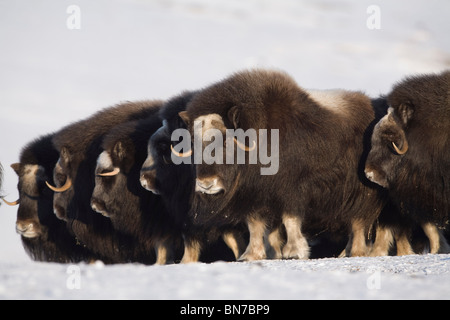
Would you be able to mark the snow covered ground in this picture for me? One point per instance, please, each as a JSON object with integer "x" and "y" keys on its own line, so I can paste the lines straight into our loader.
{"x": 408, "y": 277}
{"x": 52, "y": 75}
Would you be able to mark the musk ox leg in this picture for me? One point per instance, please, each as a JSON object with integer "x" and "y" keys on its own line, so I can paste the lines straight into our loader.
{"x": 358, "y": 239}
{"x": 235, "y": 242}
{"x": 255, "y": 249}
{"x": 438, "y": 243}
{"x": 383, "y": 242}
{"x": 192, "y": 250}
{"x": 275, "y": 244}
{"x": 164, "y": 254}
{"x": 296, "y": 246}
{"x": 403, "y": 245}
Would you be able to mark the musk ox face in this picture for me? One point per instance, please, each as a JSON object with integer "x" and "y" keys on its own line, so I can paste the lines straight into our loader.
{"x": 35, "y": 200}
{"x": 63, "y": 189}
{"x": 159, "y": 173}
{"x": 216, "y": 156}
{"x": 158, "y": 158}
{"x": 389, "y": 145}
{"x": 113, "y": 193}
{"x": 110, "y": 183}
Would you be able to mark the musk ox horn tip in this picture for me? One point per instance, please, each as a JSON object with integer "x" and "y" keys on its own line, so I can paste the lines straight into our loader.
{"x": 11, "y": 204}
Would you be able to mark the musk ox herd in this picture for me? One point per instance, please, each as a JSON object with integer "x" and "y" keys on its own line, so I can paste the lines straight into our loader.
{"x": 252, "y": 167}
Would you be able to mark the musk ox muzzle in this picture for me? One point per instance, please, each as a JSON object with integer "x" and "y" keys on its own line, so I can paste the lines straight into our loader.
{"x": 28, "y": 228}
{"x": 376, "y": 176}
{"x": 148, "y": 180}
{"x": 99, "y": 206}
{"x": 209, "y": 185}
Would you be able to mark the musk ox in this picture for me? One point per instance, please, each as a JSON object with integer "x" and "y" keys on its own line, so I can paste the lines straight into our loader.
{"x": 301, "y": 166}
{"x": 119, "y": 195}
{"x": 79, "y": 146}
{"x": 175, "y": 184}
{"x": 410, "y": 154}
{"x": 44, "y": 237}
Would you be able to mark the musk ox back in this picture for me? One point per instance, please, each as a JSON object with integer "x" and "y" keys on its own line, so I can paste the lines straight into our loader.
{"x": 79, "y": 146}
{"x": 119, "y": 195}
{"x": 410, "y": 154}
{"x": 317, "y": 183}
{"x": 44, "y": 236}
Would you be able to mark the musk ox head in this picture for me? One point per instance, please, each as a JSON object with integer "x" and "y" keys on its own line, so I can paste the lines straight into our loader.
{"x": 154, "y": 169}
{"x": 35, "y": 200}
{"x": 415, "y": 132}
{"x": 63, "y": 184}
{"x": 110, "y": 182}
{"x": 217, "y": 151}
{"x": 389, "y": 144}
{"x": 159, "y": 173}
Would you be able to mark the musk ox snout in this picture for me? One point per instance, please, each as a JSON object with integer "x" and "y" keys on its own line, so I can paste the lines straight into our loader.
{"x": 27, "y": 228}
{"x": 148, "y": 180}
{"x": 209, "y": 185}
{"x": 376, "y": 176}
{"x": 99, "y": 206}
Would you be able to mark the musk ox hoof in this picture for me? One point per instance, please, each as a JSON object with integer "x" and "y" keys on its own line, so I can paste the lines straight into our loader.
{"x": 296, "y": 251}
{"x": 252, "y": 256}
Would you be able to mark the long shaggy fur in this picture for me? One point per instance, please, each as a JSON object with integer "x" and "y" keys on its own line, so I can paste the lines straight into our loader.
{"x": 419, "y": 180}
{"x": 54, "y": 242}
{"x": 79, "y": 145}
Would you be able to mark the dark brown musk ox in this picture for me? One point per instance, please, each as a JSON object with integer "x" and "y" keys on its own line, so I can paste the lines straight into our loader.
{"x": 119, "y": 195}
{"x": 176, "y": 183}
{"x": 79, "y": 146}
{"x": 410, "y": 154}
{"x": 44, "y": 237}
{"x": 314, "y": 182}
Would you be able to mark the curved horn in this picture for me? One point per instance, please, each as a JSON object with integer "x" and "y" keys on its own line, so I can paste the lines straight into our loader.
{"x": 65, "y": 187}
{"x": 403, "y": 149}
{"x": 12, "y": 204}
{"x": 244, "y": 147}
{"x": 181, "y": 154}
{"x": 113, "y": 173}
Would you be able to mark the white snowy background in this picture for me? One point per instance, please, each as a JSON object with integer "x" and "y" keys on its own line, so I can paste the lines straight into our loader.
{"x": 51, "y": 75}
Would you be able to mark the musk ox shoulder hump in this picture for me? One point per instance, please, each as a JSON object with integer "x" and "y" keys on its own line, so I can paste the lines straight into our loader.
{"x": 340, "y": 101}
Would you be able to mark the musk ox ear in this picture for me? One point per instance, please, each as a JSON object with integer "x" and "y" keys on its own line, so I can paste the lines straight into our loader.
{"x": 405, "y": 112}
{"x": 124, "y": 155}
{"x": 16, "y": 167}
{"x": 184, "y": 116}
{"x": 65, "y": 157}
{"x": 234, "y": 116}
{"x": 119, "y": 150}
